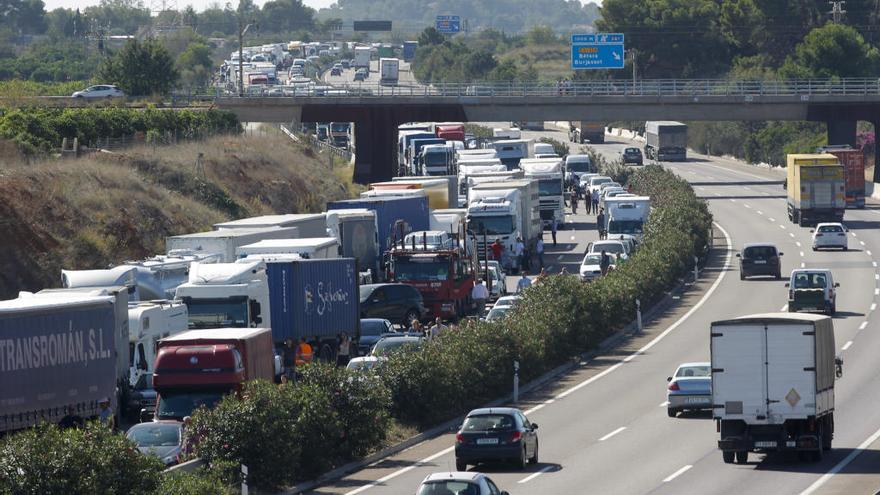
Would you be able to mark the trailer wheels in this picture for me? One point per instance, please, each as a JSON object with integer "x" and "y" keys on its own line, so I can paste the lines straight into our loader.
{"x": 727, "y": 456}
{"x": 742, "y": 456}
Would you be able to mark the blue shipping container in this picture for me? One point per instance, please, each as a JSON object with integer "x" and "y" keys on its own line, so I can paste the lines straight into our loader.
{"x": 412, "y": 211}
{"x": 54, "y": 357}
{"x": 409, "y": 50}
{"x": 313, "y": 298}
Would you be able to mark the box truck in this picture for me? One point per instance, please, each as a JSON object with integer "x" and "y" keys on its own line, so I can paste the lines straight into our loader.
{"x": 436, "y": 189}
{"x": 853, "y": 162}
{"x": 581, "y": 131}
{"x": 666, "y": 141}
{"x": 358, "y": 236}
{"x": 409, "y": 50}
{"x": 816, "y": 188}
{"x": 362, "y": 57}
{"x": 389, "y": 71}
{"x": 224, "y": 242}
{"x": 411, "y": 212}
{"x": 308, "y": 248}
{"x": 309, "y": 224}
{"x": 773, "y": 384}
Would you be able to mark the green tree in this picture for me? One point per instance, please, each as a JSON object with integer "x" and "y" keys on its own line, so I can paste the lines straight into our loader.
{"x": 833, "y": 50}
{"x": 541, "y": 35}
{"x": 123, "y": 16}
{"x": 279, "y": 16}
{"x": 195, "y": 64}
{"x": 140, "y": 68}
{"x": 430, "y": 36}
{"x": 23, "y": 16}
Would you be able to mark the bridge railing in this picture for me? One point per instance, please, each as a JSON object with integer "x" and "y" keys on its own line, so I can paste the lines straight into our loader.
{"x": 606, "y": 88}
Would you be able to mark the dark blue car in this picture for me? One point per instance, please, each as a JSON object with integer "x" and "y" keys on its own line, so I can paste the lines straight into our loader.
{"x": 496, "y": 434}
{"x": 372, "y": 329}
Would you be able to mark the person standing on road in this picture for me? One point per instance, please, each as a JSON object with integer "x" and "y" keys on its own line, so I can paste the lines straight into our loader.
{"x": 604, "y": 263}
{"x": 436, "y": 329}
{"x": 519, "y": 250}
{"x": 574, "y": 201}
{"x": 539, "y": 250}
{"x": 600, "y": 223}
{"x": 106, "y": 414}
{"x": 343, "y": 353}
{"x": 480, "y": 294}
{"x": 303, "y": 353}
{"x": 524, "y": 283}
{"x": 497, "y": 250}
{"x": 553, "y": 230}
{"x": 71, "y": 419}
{"x": 594, "y": 199}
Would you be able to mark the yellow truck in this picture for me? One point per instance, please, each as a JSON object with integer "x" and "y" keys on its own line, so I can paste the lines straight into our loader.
{"x": 437, "y": 189}
{"x": 815, "y": 188}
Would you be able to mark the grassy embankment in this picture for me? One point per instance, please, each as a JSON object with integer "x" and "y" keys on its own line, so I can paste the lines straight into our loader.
{"x": 107, "y": 208}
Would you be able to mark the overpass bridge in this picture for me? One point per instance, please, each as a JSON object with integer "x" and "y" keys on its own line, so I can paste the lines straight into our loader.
{"x": 378, "y": 110}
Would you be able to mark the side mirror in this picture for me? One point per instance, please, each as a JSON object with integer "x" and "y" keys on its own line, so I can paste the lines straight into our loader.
{"x": 504, "y": 493}
{"x": 668, "y": 378}
{"x": 738, "y": 255}
{"x": 534, "y": 426}
{"x": 145, "y": 416}
{"x": 837, "y": 284}
{"x": 780, "y": 254}
{"x": 787, "y": 284}
{"x": 812, "y": 231}
{"x": 838, "y": 366}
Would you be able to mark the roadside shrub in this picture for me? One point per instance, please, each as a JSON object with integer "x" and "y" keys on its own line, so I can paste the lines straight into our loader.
{"x": 48, "y": 460}
{"x": 200, "y": 482}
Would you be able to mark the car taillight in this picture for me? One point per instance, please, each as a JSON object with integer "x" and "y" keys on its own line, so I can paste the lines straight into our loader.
{"x": 674, "y": 386}
{"x": 459, "y": 438}
{"x": 517, "y": 435}
{"x": 790, "y": 294}
{"x": 818, "y": 234}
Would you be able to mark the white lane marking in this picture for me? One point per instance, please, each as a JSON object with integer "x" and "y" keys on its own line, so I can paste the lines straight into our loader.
{"x": 759, "y": 212}
{"x": 803, "y": 265}
{"x": 874, "y": 264}
{"x": 798, "y": 243}
{"x": 802, "y": 253}
{"x": 397, "y": 473}
{"x": 863, "y": 325}
{"x": 846, "y": 346}
{"x": 615, "y": 432}
{"x": 782, "y": 227}
{"x": 677, "y": 474}
{"x": 771, "y": 219}
{"x": 784, "y": 308}
{"x": 791, "y": 234}
{"x": 747, "y": 206}
{"x": 540, "y": 406}
{"x": 586, "y": 382}
{"x": 877, "y": 292}
{"x": 854, "y": 234}
{"x": 868, "y": 253}
{"x": 873, "y": 306}
{"x": 535, "y": 475}
{"x": 664, "y": 403}
{"x": 734, "y": 201}
{"x": 862, "y": 243}
{"x": 877, "y": 276}
{"x": 842, "y": 464}
{"x": 672, "y": 327}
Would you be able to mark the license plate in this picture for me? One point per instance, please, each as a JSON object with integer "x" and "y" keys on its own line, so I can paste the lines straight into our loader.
{"x": 765, "y": 444}
{"x": 487, "y": 441}
{"x": 760, "y": 262}
{"x": 696, "y": 400}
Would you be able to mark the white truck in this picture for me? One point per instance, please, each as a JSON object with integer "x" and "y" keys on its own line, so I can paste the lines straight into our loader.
{"x": 226, "y": 295}
{"x": 550, "y": 174}
{"x": 224, "y": 242}
{"x": 666, "y": 141}
{"x": 437, "y": 160}
{"x": 389, "y": 71}
{"x": 468, "y": 169}
{"x": 358, "y": 234}
{"x": 625, "y": 217}
{"x": 362, "y": 57}
{"x": 511, "y": 151}
{"x": 504, "y": 210}
{"x": 308, "y": 248}
{"x": 309, "y": 224}
{"x": 773, "y": 384}
{"x": 148, "y": 322}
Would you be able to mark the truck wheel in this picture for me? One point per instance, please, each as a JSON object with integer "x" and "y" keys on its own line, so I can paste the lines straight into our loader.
{"x": 460, "y": 465}
{"x": 818, "y": 454}
{"x": 742, "y": 456}
{"x": 671, "y": 412}
{"x": 410, "y": 316}
{"x": 801, "y": 222}
{"x": 727, "y": 456}
{"x": 828, "y": 432}
{"x": 327, "y": 355}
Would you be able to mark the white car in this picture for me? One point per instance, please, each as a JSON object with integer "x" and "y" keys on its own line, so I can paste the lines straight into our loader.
{"x": 100, "y": 91}
{"x": 597, "y": 181}
{"x": 458, "y": 482}
{"x": 610, "y": 246}
{"x": 506, "y": 301}
{"x": 365, "y": 363}
{"x": 827, "y": 235}
{"x": 499, "y": 279}
{"x": 608, "y": 185}
{"x": 590, "y": 266}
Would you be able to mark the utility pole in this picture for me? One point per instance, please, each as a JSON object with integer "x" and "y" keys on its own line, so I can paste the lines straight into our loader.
{"x": 242, "y": 30}
{"x": 837, "y": 11}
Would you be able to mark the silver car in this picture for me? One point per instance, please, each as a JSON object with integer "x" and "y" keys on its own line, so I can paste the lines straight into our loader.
{"x": 100, "y": 91}
{"x": 690, "y": 388}
{"x": 163, "y": 439}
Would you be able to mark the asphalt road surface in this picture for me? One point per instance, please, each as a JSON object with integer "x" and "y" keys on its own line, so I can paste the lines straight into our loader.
{"x": 604, "y": 427}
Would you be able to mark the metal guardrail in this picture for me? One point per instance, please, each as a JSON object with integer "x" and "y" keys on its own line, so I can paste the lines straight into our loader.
{"x": 314, "y": 142}
{"x": 620, "y": 88}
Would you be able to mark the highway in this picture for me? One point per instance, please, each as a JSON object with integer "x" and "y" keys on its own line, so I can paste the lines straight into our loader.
{"x": 406, "y": 78}
{"x": 604, "y": 427}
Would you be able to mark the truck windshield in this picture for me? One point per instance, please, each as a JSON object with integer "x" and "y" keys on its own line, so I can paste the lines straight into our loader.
{"x": 341, "y": 127}
{"x": 217, "y": 313}
{"x": 410, "y": 269}
{"x": 435, "y": 158}
{"x": 491, "y": 225}
{"x": 625, "y": 227}
{"x": 550, "y": 187}
{"x": 579, "y": 166}
{"x": 178, "y": 405}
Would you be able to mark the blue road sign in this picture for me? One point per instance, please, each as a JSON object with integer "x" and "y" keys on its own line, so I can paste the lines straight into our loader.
{"x": 597, "y": 51}
{"x": 448, "y": 24}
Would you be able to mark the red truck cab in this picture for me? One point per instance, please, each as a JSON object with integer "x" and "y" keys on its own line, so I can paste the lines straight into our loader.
{"x": 444, "y": 277}
{"x": 197, "y": 368}
{"x": 450, "y": 132}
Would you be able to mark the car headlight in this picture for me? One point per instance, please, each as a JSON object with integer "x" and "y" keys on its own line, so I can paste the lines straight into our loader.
{"x": 170, "y": 459}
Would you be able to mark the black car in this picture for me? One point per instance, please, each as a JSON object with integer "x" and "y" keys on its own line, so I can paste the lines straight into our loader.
{"x": 373, "y": 329}
{"x": 759, "y": 259}
{"x": 496, "y": 434}
{"x": 336, "y": 71}
{"x": 400, "y": 303}
{"x": 632, "y": 155}
{"x": 404, "y": 342}
{"x": 142, "y": 399}
{"x": 345, "y": 64}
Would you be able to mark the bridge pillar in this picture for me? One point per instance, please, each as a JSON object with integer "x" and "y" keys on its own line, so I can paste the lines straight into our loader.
{"x": 876, "y": 124}
{"x": 375, "y": 138}
{"x": 842, "y": 132}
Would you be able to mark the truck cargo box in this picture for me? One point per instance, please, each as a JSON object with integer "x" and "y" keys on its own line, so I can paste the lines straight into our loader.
{"x": 224, "y": 242}
{"x": 853, "y": 162}
{"x": 390, "y": 211}
{"x": 309, "y": 224}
